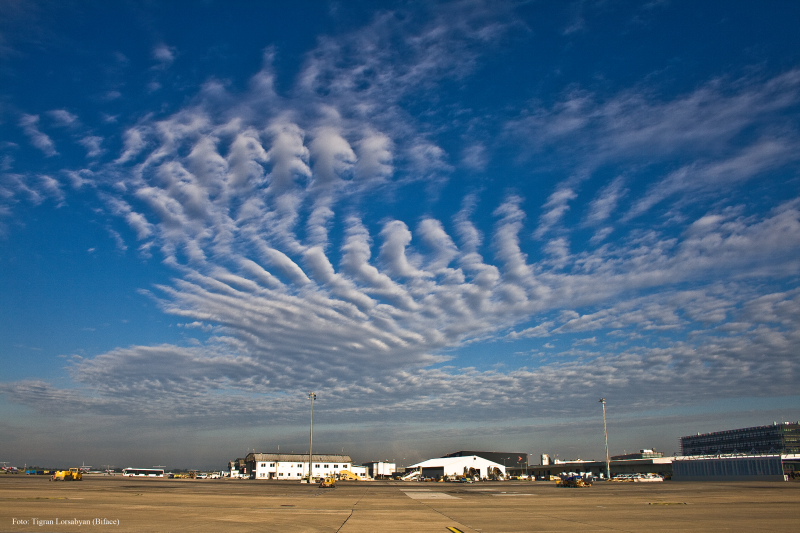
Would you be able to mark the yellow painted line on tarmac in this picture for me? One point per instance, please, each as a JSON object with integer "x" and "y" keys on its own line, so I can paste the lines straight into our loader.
{"x": 454, "y": 529}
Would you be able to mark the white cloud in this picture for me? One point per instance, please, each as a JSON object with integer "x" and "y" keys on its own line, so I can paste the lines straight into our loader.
{"x": 333, "y": 157}
{"x": 288, "y": 156}
{"x": 556, "y": 208}
{"x": 93, "y": 145}
{"x": 81, "y": 178}
{"x": 374, "y": 157}
{"x": 731, "y": 131}
{"x": 285, "y": 265}
{"x": 764, "y": 155}
{"x": 134, "y": 144}
{"x": 62, "y": 117}
{"x": 393, "y": 254}
{"x": 475, "y": 157}
{"x": 246, "y": 159}
{"x": 164, "y": 55}
{"x": 604, "y": 206}
{"x": 30, "y": 125}
{"x": 427, "y": 159}
{"x": 443, "y": 249}
{"x": 52, "y": 188}
{"x": 295, "y": 271}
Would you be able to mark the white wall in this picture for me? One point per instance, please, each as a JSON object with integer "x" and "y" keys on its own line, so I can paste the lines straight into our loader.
{"x": 381, "y": 468}
{"x": 296, "y": 470}
{"x": 454, "y": 466}
{"x": 360, "y": 471}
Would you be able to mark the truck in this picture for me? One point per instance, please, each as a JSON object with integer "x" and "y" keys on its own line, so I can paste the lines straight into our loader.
{"x": 73, "y": 474}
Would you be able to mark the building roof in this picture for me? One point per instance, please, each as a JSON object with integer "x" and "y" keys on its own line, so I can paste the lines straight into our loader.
{"x": 506, "y": 458}
{"x": 778, "y": 426}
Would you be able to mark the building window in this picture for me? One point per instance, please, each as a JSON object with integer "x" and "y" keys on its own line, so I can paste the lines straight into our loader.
{"x": 263, "y": 465}
{"x": 336, "y": 466}
{"x": 299, "y": 466}
{"x": 327, "y": 466}
{"x": 272, "y": 464}
{"x": 316, "y": 466}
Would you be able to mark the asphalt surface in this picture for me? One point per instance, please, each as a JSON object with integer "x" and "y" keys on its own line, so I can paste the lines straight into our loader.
{"x": 118, "y": 504}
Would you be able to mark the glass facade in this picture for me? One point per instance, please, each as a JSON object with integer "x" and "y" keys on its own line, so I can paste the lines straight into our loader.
{"x": 781, "y": 438}
{"x": 729, "y": 468}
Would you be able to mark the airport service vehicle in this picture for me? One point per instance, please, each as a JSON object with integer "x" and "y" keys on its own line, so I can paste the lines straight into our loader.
{"x": 411, "y": 476}
{"x": 637, "y": 478}
{"x": 647, "y": 478}
{"x": 327, "y": 483}
{"x": 574, "y": 481}
{"x": 73, "y": 474}
{"x": 143, "y": 472}
{"x": 624, "y": 478}
{"x": 346, "y": 474}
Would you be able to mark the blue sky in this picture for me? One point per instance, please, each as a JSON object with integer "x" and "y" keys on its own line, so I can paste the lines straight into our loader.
{"x": 460, "y": 223}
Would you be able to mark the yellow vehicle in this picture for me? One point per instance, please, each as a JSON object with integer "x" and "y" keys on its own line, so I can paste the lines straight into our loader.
{"x": 346, "y": 474}
{"x": 73, "y": 474}
{"x": 574, "y": 481}
{"x": 328, "y": 482}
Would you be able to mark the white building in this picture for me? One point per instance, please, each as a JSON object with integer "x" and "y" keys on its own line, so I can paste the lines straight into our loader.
{"x": 380, "y": 469}
{"x": 294, "y": 466}
{"x": 458, "y": 466}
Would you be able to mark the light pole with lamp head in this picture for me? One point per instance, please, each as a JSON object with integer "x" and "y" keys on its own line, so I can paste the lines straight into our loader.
{"x": 605, "y": 430}
{"x": 312, "y": 396}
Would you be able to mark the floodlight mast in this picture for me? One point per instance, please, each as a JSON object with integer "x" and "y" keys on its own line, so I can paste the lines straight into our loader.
{"x": 313, "y": 396}
{"x": 605, "y": 430}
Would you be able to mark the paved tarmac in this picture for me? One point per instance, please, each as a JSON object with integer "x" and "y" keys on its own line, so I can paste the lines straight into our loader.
{"x": 120, "y": 504}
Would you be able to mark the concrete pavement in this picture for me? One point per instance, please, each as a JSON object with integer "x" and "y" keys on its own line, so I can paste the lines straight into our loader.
{"x": 118, "y": 504}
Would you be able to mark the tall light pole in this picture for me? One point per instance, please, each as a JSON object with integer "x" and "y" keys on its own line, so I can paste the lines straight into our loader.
{"x": 313, "y": 396}
{"x": 605, "y": 430}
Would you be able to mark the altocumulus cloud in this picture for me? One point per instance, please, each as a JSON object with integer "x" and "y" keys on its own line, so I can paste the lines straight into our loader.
{"x": 262, "y": 203}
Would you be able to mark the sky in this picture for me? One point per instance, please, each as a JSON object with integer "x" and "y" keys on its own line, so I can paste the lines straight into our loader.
{"x": 460, "y": 223}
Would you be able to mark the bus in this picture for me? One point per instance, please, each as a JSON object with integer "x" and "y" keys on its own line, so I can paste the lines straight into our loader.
{"x": 146, "y": 472}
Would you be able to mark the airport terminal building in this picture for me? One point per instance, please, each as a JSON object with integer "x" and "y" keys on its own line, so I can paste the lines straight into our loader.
{"x": 755, "y": 453}
{"x": 779, "y": 438}
{"x": 656, "y": 464}
{"x": 736, "y": 468}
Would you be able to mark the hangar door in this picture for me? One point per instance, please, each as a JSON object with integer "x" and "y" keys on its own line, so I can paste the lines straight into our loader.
{"x": 434, "y": 472}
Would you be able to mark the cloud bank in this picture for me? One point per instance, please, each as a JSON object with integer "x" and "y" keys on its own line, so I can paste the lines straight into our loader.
{"x": 289, "y": 276}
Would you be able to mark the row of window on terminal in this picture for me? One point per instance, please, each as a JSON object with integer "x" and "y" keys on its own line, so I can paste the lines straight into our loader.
{"x": 299, "y": 465}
